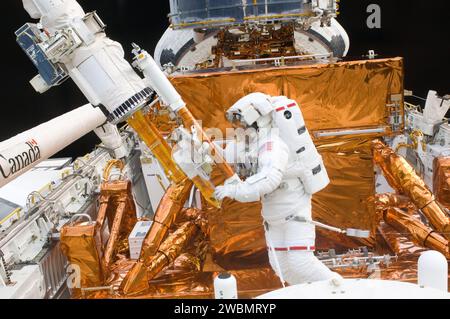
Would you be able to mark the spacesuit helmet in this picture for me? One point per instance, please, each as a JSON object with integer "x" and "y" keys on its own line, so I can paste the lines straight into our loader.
{"x": 251, "y": 109}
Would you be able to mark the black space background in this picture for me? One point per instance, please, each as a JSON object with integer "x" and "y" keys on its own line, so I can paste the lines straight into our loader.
{"x": 416, "y": 30}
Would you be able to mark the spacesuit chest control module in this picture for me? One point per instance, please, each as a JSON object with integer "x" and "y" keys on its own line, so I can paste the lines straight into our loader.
{"x": 288, "y": 171}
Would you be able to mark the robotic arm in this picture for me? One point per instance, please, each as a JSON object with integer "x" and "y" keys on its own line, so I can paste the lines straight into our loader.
{"x": 69, "y": 43}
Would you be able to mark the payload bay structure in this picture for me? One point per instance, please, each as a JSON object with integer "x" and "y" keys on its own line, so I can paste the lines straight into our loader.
{"x": 66, "y": 225}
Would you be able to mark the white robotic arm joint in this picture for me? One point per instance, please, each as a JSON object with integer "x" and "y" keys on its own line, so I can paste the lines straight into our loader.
{"x": 112, "y": 140}
{"x": 69, "y": 42}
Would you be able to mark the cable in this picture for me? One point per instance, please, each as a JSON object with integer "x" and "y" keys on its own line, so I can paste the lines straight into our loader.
{"x": 418, "y": 97}
{"x": 30, "y": 198}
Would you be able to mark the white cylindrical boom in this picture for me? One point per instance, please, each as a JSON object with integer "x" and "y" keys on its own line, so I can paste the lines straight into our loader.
{"x": 24, "y": 151}
{"x": 158, "y": 80}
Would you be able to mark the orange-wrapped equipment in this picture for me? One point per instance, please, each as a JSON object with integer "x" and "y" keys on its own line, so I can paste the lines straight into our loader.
{"x": 389, "y": 200}
{"x": 189, "y": 121}
{"x": 170, "y": 97}
{"x": 171, "y": 248}
{"x": 163, "y": 152}
{"x": 189, "y": 142}
{"x": 157, "y": 145}
{"x": 169, "y": 207}
{"x": 441, "y": 180}
{"x": 81, "y": 243}
{"x": 120, "y": 211}
{"x": 86, "y": 245}
{"x": 419, "y": 233}
{"x": 121, "y": 214}
{"x": 403, "y": 178}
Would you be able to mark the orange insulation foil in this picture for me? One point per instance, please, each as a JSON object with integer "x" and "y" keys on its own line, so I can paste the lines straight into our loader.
{"x": 169, "y": 207}
{"x": 403, "y": 178}
{"x": 441, "y": 180}
{"x": 157, "y": 145}
{"x": 121, "y": 214}
{"x": 172, "y": 247}
{"x": 416, "y": 231}
{"x": 81, "y": 244}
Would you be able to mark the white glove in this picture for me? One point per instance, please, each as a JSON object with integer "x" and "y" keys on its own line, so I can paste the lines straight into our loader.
{"x": 225, "y": 191}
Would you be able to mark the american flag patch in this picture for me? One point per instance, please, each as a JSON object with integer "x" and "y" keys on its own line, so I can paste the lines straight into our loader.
{"x": 268, "y": 147}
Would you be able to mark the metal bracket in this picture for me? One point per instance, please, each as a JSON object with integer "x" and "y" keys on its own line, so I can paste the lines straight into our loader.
{"x": 395, "y": 115}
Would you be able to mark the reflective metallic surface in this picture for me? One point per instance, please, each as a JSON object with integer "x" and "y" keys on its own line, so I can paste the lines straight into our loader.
{"x": 168, "y": 209}
{"x": 157, "y": 145}
{"x": 416, "y": 231}
{"x": 81, "y": 244}
{"x": 190, "y": 13}
{"x": 322, "y": 91}
{"x": 403, "y": 178}
{"x": 441, "y": 183}
{"x": 85, "y": 243}
{"x": 185, "y": 249}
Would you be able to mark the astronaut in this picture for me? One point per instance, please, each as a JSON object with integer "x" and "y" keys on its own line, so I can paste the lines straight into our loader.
{"x": 283, "y": 170}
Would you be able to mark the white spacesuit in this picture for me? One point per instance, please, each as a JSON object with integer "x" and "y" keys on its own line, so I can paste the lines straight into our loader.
{"x": 287, "y": 171}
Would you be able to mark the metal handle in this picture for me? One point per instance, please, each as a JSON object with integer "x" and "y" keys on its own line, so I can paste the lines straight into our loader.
{"x": 80, "y": 216}
{"x": 109, "y": 166}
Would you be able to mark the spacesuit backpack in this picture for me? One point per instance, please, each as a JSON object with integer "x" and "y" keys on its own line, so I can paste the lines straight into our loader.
{"x": 308, "y": 165}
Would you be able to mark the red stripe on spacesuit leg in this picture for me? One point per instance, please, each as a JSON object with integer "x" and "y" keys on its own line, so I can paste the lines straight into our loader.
{"x": 292, "y": 105}
{"x": 280, "y": 109}
{"x": 296, "y": 248}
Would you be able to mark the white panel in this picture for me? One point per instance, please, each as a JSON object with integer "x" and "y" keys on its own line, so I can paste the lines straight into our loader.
{"x": 94, "y": 73}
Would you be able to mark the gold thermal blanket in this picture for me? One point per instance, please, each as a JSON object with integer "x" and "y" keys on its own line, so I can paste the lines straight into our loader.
{"x": 339, "y": 96}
